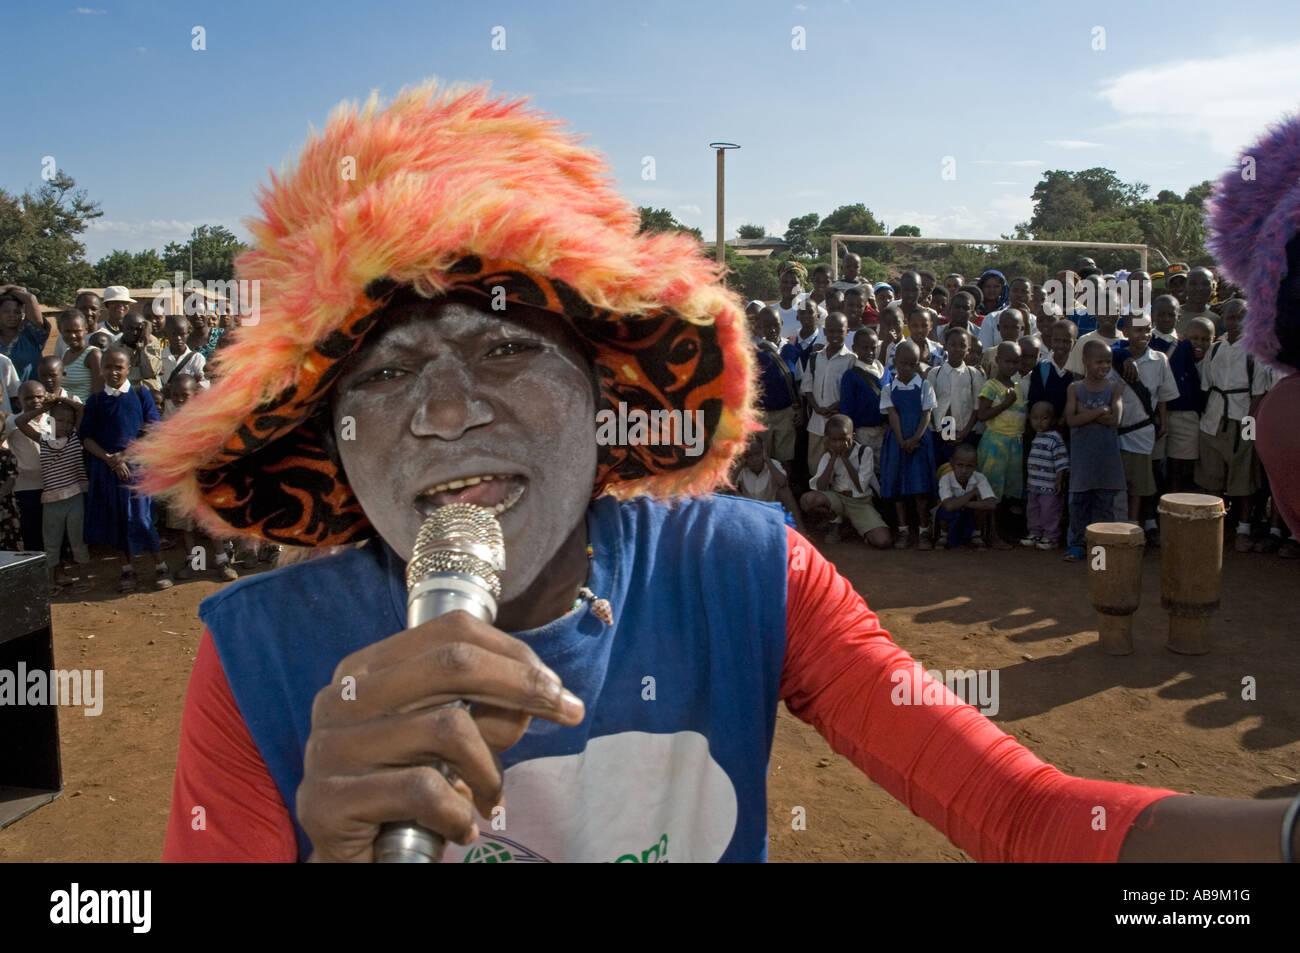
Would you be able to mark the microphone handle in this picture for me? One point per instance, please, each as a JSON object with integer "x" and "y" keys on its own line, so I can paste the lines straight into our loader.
{"x": 406, "y": 842}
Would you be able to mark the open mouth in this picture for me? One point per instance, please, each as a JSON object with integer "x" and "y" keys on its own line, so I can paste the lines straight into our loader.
{"x": 497, "y": 492}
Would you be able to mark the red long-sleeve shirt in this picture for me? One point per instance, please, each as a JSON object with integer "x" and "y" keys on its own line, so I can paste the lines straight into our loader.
{"x": 948, "y": 763}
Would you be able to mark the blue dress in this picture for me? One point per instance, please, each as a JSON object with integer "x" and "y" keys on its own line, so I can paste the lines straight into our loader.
{"x": 1095, "y": 463}
{"x": 904, "y": 474}
{"x": 115, "y": 514}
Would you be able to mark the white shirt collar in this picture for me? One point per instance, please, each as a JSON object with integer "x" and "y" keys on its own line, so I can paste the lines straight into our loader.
{"x": 117, "y": 392}
{"x": 915, "y": 382}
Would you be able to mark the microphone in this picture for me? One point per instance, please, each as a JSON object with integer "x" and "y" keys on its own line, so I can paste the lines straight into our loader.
{"x": 456, "y": 563}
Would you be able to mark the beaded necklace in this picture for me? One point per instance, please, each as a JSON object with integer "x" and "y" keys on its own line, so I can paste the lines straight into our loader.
{"x": 600, "y": 608}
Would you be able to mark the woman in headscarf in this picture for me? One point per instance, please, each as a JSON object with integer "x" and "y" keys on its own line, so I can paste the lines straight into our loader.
{"x": 385, "y": 379}
{"x": 994, "y": 292}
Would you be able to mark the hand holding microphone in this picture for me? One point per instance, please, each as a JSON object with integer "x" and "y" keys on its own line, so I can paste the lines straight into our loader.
{"x": 370, "y": 759}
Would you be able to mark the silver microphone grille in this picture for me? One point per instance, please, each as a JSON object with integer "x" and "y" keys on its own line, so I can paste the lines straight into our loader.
{"x": 459, "y": 537}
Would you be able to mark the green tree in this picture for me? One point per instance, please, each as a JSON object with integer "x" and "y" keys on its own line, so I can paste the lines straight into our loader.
{"x": 1197, "y": 194}
{"x": 1059, "y": 203}
{"x": 855, "y": 219}
{"x": 753, "y": 277}
{"x": 873, "y": 270}
{"x": 40, "y": 247}
{"x": 214, "y": 249}
{"x": 752, "y": 231}
{"x": 799, "y": 235}
{"x": 909, "y": 230}
{"x": 1177, "y": 230}
{"x": 139, "y": 270}
{"x": 662, "y": 220}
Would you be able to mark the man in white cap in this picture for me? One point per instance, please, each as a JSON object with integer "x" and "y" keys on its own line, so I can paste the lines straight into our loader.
{"x": 117, "y": 302}
{"x": 1148, "y": 385}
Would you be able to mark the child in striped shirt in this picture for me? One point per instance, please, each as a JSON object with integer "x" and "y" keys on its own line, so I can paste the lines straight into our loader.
{"x": 1049, "y": 464}
{"x": 63, "y": 488}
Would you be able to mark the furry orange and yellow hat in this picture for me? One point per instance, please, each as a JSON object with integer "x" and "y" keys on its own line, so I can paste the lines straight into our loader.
{"x": 445, "y": 190}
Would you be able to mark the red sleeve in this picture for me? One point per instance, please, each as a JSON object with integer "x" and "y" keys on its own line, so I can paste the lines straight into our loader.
{"x": 949, "y": 764}
{"x": 220, "y": 770}
{"x": 1278, "y": 445}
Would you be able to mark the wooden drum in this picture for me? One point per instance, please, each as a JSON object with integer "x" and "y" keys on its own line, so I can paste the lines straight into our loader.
{"x": 1115, "y": 581}
{"x": 1191, "y": 567}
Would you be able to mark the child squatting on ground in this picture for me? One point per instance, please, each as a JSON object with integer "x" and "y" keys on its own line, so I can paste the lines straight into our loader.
{"x": 843, "y": 483}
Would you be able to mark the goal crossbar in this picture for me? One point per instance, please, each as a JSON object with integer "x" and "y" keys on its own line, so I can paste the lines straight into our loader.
{"x": 837, "y": 240}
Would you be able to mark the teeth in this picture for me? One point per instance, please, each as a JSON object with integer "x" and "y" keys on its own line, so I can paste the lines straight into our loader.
{"x": 474, "y": 481}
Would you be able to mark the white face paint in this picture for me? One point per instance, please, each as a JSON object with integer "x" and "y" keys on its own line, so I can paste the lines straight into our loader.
{"x": 448, "y": 392}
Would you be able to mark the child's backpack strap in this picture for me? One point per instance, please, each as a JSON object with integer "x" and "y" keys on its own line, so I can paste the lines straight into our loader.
{"x": 1144, "y": 397}
{"x": 869, "y": 379}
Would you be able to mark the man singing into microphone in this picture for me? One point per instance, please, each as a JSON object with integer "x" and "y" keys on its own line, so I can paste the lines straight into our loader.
{"x": 442, "y": 324}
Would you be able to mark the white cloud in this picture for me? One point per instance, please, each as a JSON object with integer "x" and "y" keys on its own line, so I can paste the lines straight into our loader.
{"x": 104, "y": 235}
{"x": 1227, "y": 100}
{"x": 775, "y": 228}
{"x": 1026, "y": 162}
{"x": 690, "y": 209}
{"x": 1007, "y": 162}
{"x": 1006, "y": 210}
{"x": 87, "y": 10}
{"x": 1004, "y": 182}
{"x": 1073, "y": 144}
{"x": 135, "y": 228}
{"x": 958, "y": 221}
{"x": 801, "y": 6}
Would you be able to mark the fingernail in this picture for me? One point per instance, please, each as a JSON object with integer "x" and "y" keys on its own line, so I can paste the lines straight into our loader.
{"x": 572, "y": 703}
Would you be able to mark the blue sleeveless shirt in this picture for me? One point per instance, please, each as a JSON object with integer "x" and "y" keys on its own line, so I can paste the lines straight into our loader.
{"x": 670, "y": 762}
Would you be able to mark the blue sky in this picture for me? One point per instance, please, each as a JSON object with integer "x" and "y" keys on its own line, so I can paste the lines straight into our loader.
{"x": 166, "y": 137}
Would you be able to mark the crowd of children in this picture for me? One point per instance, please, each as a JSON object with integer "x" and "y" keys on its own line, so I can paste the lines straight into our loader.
{"x": 945, "y": 412}
{"x": 65, "y": 480}
{"x": 975, "y": 414}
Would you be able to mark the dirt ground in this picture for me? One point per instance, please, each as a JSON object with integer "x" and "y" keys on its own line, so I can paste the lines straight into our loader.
{"x": 1153, "y": 717}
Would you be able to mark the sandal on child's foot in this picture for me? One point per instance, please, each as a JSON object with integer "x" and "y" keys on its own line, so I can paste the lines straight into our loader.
{"x": 924, "y": 542}
{"x": 228, "y": 572}
{"x": 1074, "y": 554}
{"x": 901, "y": 541}
{"x": 163, "y": 578}
{"x": 977, "y": 542}
{"x": 1029, "y": 541}
{"x": 185, "y": 572}
{"x": 127, "y": 582}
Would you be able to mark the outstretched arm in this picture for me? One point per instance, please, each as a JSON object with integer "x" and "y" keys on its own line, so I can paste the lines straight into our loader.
{"x": 955, "y": 768}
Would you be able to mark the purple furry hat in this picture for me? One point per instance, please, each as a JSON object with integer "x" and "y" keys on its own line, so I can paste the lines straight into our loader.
{"x": 1252, "y": 219}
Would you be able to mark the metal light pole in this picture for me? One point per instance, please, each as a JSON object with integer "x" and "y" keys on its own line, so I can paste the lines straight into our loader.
{"x": 721, "y": 148}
